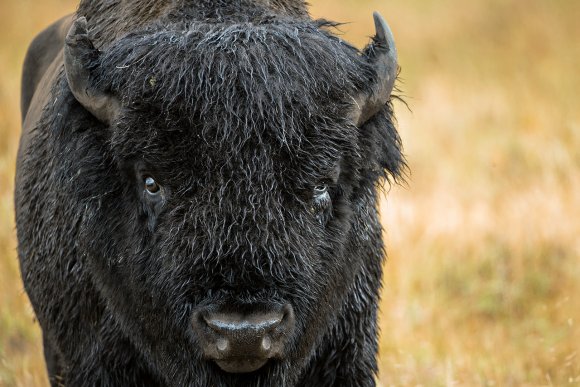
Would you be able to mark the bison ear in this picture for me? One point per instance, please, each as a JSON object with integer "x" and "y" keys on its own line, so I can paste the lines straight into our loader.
{"x": 79, "y": 53}
{"x": 382, "y": 56}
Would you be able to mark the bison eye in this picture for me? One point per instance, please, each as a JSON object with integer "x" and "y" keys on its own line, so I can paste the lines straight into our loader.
{"x": 151, "y": 185}
{"x": 320, "y": 190}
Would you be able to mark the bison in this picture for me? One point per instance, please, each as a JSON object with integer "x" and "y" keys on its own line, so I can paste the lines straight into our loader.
{"x": 196, "y": 194}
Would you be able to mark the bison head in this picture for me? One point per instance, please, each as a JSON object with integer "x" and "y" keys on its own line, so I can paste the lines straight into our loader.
{"x": 228, "y": 188}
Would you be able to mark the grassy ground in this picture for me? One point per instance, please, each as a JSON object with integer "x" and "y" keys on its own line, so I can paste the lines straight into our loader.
{"x": 482, "y": 285}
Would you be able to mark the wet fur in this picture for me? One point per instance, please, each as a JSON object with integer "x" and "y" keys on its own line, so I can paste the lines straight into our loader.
{"x": 238, "y": 112}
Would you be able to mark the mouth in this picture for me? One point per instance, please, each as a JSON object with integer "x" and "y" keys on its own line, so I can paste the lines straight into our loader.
{"x": 241, "y": 365}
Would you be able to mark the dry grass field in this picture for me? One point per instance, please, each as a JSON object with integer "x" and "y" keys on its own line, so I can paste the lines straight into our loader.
{"x": 482, "y": 284}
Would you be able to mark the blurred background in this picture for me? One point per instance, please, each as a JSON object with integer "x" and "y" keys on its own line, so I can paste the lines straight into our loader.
{"x": 482, "y": 283}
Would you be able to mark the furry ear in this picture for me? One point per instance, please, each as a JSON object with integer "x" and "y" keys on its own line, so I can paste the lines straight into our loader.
{"x": 384, "y": 147}
{"x": 382, "y": 56}
{"x": 79, "y": 53}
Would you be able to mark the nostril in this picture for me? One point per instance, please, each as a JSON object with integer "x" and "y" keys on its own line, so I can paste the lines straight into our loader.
{"x": 222, "y": 345}
{"x": 266, "y": 343}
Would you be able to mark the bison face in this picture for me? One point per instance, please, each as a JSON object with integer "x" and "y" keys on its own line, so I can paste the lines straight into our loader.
{"x": 235, "y": 169}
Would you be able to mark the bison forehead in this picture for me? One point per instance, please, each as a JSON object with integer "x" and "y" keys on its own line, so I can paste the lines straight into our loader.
{"x": 237, "y": 99}
{"x": 276, "y": 75}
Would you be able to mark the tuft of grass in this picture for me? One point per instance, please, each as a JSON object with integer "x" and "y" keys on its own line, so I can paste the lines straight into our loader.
{"x": 482, "y": 284}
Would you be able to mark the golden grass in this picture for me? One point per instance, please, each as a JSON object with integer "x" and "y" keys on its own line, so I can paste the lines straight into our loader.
{"x": 482, "y": 284}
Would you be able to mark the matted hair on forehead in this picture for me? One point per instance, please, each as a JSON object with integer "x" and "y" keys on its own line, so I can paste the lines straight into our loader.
{"x": 235, "y": 76}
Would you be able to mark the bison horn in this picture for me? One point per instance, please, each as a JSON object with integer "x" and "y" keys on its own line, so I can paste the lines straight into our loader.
{"x": 384, "y": 61}
{"x": 79, "y": 51}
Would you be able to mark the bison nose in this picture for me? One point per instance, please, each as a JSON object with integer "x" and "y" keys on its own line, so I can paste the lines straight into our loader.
{"x": 244, "y": 342}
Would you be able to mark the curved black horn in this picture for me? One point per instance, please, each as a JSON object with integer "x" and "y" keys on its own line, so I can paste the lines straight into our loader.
{"x": 383, "y": 58}
{"x": 78, "y": 52}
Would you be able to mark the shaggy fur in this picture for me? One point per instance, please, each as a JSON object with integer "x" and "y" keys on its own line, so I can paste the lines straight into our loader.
{"x": 238, "y": 109}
